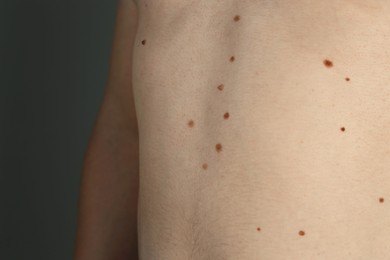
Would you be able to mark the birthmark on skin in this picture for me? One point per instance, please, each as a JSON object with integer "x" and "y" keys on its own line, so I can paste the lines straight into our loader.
{"x": 191, "y": 123}
{"x": 205, "y": 166}
{"x": 218, "y": 147}
{"x": 221, "y": 87}
{"x": 328, "y": 63}
{"x": 236, "y": 18}
{"x": 301, "y": 233}
{"x": 232, "y": 59}
{"x": 342, "y": 129}
{"x": 226, "y": 115}
{"x": 143, "y": 42}
{"x": 258, "y": 229}
{"x": 347, "y": 79}
{"x": 381, "y": 200}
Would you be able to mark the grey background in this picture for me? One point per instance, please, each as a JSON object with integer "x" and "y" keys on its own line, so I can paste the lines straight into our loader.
{"x": 54, "y": 58}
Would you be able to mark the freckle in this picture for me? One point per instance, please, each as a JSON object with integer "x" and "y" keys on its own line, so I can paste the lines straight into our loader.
{"x": 232, "y": 58}
{"x": 205, "y": 166}
{"x": 236, "y": 18}
{"x": 143, "y": 42}
{"x": 342, "y": 129}
{"x": 381, "y": 200}
{"x": 328, "y": 63}
{"x": 226, "y": 115}
{"x": 301, "y": 233}
{"x": 190, "y": 123}
{"x": 347, "y": 79}
{"x": 218, "y": 147}
{"x": 220, "y": 87}
{"x": 258, "y": 229}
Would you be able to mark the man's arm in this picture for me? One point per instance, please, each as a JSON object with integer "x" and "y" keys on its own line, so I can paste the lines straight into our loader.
{"x": 107, "y": 221}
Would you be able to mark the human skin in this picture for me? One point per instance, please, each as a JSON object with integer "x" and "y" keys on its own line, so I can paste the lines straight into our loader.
{"x": 262, "y": 132}
{"x": 107, "y": 222}
{"x": 300, "y": 168}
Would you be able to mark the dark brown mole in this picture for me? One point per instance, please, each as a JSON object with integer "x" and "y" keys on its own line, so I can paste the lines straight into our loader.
{"x": 205, "y": 166}
{"x": 220, "y": 87}
{"x": 342, "y": 129}
{"x": 301, "y": 233}
{"x": 143, "y": 42}
{"x": 381, "y": 200}
{"x": 258, "y": 229}
{"x": 190, "y": 123}
{"x": 328, "y": 63}
{"x": 236, "y": 18}
{"x": 218, "y": 147}
{"x": 226, "y": 115}
{"x": 232, "y": 58}
{"x": 347, "y": 79}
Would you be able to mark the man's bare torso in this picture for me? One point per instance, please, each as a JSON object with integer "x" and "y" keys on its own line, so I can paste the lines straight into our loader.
{"x": 264, "y": 129}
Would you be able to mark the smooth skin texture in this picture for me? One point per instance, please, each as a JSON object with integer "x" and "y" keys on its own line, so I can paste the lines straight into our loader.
{"x": 107, "y": 222}
{"x": 299, "y": 167}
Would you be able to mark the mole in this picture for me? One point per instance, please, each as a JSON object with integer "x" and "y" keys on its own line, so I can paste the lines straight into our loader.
{"x": 190, "y": 123}
{"x": 328, "y": 63}
{"x": 301, "y": 233}
{"x": 205, "y": 166}
{"x": 232, "y": 58}
{"x": 218, "y": 147}
{"x": 342, "y": 129}
{"x": 220, "y": 87}
{"x": 143, "y": 42}
{"x": 236, "y": 18}
{"x": 226, "y": 115}
{"x": 258, "y": 229}
{"x": 381, "y": 200}
{"x": 347, "y": 79}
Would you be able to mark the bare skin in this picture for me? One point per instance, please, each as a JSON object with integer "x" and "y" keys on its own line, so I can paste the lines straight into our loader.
{"x": 263, "y": 133}
{"x": 107, "y": 224}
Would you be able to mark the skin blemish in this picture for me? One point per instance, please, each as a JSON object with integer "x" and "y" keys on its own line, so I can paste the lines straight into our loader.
{"x": 205, "y": 166}
{"x": 258, "y": 229}
{"x": 236, "y": 18}
{"x": 232, "y": 59}
{"x": 218, "y": 147}
{"x": 226, "y": 115}
{"x": 381, "y": 200}
{"x": 143, "y": 42}
{"x": 347, "y": 79}
{"x": 191, "y": 123}
{"x": 220, "y": 87}
{"x": 301, "y": 233}
{"x": 342, "y": 129}
{"x": 328, "y": 63}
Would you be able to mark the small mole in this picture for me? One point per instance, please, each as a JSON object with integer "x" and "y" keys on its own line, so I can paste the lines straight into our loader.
{"x": 218, "y": 147}
{"x": 190, "y": 123}
{"x": 347, "y": 79}
{"x": 381, "y": 200}
{"x": 232, "y": 58}
{"x": 220, "y": 87}
{"x": 301, "y": 233}
{"x": 143, "y": 42}
{"x": 236, "y": 18}
{"x": 328, "y": 63}
{"x": 342, "y": 129}
{"x": 258, "y": 229}
{"x": 226, "y": 115}
{"x": 205, "y": 166}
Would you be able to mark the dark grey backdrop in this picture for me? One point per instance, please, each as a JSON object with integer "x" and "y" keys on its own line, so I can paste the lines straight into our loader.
{"x": 54, "y": 58}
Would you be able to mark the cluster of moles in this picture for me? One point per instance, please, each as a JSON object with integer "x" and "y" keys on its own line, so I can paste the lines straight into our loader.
{"x": 218, "y": 147}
